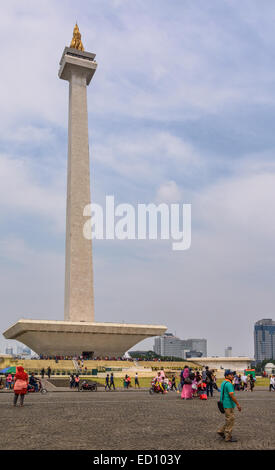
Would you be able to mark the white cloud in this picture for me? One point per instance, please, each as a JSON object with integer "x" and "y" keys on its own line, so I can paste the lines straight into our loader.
{"x": 147, "y": 155}
{"x": 169, "y": 192}
{"x": 21, "y": 191}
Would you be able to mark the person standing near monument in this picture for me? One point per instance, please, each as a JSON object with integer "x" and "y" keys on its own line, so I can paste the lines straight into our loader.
{"x": 49, "y": 371}
{"x": 229, "y": 402}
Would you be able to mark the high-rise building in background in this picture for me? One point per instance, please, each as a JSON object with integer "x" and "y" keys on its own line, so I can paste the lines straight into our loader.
{"x": 228, "y": 351}
{"x": 196, "y": 345}
{"x": 9, "y": 350}
{"x": 19, "y": 349}
{"x": 170, "y": 345}
{"x": 264, "y": 339}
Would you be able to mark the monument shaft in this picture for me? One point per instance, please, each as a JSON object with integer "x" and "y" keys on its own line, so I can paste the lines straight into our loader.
{"x": 78, "y": 68}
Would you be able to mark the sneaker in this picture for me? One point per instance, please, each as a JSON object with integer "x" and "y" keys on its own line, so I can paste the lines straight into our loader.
{"x": 232, "y": 439}
{"x": 221, "y": 434}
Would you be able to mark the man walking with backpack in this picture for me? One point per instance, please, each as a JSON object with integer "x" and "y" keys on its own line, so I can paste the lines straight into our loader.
{"x": 229, "y": 402}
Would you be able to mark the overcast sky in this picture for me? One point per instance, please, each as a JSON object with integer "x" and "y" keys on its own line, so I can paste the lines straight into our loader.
{"x": 181, "y": 109}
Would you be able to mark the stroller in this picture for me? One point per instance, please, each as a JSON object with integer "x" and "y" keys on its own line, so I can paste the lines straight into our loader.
{"x": 89, "y": 386}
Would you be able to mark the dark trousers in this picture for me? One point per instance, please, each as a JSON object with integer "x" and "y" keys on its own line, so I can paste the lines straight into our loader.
{"x": 209, "y": 389}
{"x": 112, "y": 384}
{"x": 16, "y": 398}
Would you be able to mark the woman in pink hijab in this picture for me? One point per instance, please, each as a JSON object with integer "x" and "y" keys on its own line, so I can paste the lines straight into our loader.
{"x": 20, "y": 385}
{"x": 187, "y": 387}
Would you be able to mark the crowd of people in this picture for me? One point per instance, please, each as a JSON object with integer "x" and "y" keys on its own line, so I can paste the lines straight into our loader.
{"x": 191, "y": 384}
{"x": 82, "y": 358}
{"x": 244, "y": 382}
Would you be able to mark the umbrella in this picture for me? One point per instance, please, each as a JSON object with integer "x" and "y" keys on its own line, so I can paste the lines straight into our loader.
{"x": 8, "y": 370}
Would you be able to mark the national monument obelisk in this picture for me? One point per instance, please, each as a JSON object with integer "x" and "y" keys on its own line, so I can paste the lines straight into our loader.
{"x": 79, "y": 333}
{"x": 78, "y": 68}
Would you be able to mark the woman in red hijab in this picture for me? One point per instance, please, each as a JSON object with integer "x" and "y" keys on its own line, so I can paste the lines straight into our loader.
{"x": 20, "y": 386}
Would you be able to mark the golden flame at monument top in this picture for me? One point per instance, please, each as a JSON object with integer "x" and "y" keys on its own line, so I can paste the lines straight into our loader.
{"x": 76, "y": 41}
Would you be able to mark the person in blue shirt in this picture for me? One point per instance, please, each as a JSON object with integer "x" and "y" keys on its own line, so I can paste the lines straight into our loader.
{"x": 229, "y": 402}
{"x": 107, "y": 382}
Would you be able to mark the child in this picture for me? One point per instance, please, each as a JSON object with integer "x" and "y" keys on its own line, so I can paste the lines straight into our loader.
{"x": 202, "y": 391}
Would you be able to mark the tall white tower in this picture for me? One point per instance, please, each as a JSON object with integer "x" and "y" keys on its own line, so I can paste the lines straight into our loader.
{"x": 78, "y": 68}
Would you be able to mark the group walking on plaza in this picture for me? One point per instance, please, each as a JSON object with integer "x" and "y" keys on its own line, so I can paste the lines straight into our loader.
{"x": 192, "y": 384}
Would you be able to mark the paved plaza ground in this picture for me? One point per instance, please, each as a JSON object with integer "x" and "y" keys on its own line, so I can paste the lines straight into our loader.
{"x": 123, "y": 420}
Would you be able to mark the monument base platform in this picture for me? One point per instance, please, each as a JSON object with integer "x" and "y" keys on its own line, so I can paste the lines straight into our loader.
{"x": 64, "y": 338}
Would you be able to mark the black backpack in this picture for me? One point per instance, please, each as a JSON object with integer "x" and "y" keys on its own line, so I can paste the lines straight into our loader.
{"x": 220, "y": 402}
